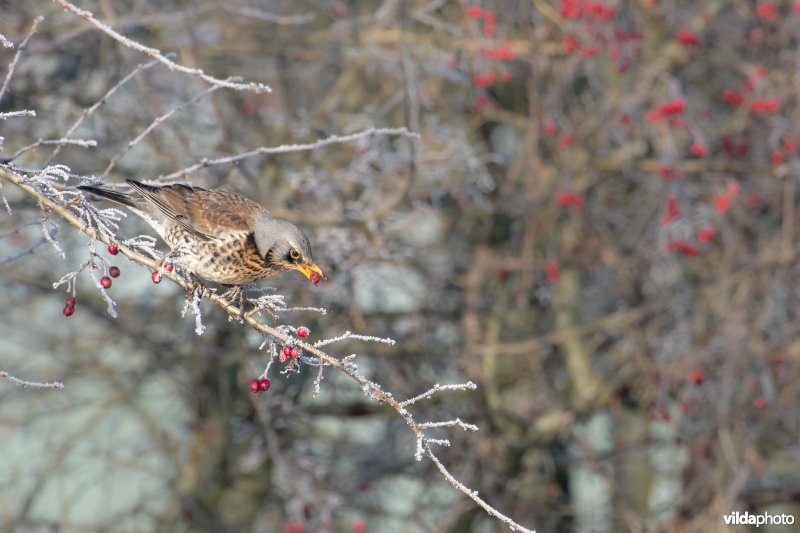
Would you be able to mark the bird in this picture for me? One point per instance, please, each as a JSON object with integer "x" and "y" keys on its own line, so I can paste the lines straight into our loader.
{"x": 220, "y": 236}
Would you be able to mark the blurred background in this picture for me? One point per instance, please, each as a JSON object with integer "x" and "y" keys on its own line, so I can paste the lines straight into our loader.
{"x": 597, "y": 226}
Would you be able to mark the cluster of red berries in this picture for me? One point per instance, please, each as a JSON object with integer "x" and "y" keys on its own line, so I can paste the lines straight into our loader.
{"x": 259, "y": 385}
{"x": 156, "y": 275}
{"x": 69, "y": 305}
{"x": 289, "y": 351}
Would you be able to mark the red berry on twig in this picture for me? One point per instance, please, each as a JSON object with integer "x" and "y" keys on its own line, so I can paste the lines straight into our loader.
{"x": 302, "y": 331}
{"x": 168, "y": 267}
{"x": 263, "y": 384}
{"x": 68, "y": 310}
{"x": 105, "y": 281}
{"x": 285, "y": 353}
{"x": 114, "y": 272}
{"x": 112, "y": 249}
{"x": 294, "y": 352}
{"x": 70, "y": 301}
{"x": 156, "y": 276}
{"x": 255, "y": 386}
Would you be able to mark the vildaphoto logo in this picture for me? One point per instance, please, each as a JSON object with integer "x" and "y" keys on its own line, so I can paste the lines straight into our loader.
{"x": 746, "y": 518}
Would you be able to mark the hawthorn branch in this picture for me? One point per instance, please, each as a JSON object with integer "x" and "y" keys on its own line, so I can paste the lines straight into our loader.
{"x": 371, "y": 389}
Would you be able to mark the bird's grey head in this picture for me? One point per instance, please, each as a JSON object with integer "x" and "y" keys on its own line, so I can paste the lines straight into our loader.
{"x": 285, "y": 245}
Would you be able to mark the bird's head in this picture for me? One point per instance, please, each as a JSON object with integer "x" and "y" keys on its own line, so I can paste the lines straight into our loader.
{"x": 285, "y": 247}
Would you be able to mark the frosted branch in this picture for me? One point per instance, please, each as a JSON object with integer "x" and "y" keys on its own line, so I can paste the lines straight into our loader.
{"x": 14, "y": 114}
{"x": 286, "y": 148}
{"x": 439, "y": 388}
{"x": 103, "y": 99}
{"x": 349, "y": 335}
{"x": 159, "y": 56}
{"x": 448, "y": 423}
{"x": 194, "y": 305}
{"x": 153, "y": 125}
{"x": 83, "y": 143}
{"x": 14, "y": 61}
{"x": 25, "y": 383}
{"x": 472, "y": 494}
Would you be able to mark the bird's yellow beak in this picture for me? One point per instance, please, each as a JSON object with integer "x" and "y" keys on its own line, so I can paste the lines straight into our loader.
{"x": 311, "y": 271}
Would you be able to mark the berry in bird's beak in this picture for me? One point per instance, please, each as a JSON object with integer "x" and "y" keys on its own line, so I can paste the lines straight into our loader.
{"x": 315, "y": 278}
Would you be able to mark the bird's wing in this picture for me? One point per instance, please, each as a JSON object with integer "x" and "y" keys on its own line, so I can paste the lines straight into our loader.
{"x": 205, "y": 213}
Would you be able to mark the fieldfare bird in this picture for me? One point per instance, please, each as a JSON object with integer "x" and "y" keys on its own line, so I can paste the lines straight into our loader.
{"x": 221, "y": 237}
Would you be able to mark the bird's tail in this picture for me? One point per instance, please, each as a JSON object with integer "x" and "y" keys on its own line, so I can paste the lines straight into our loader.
{"x": 114, "y": 196}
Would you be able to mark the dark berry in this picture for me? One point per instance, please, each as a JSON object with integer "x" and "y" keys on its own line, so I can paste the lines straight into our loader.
{"x": 156, "y": 276}
{"x": 70, "y": 301}
{"x": 263, "y": 384}
{"x": 302, "y": 331}
{"x": 68, "y": 310}
{"x": 113, "y": 272}
{"x": 105, "y": 281}
{"x": 255, "y": 385}
{"x": 112, "y": 249}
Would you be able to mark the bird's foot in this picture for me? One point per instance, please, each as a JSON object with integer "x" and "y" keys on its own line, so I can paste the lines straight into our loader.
{"x": 235, "y": 296}
{"x": 197, "y": 289}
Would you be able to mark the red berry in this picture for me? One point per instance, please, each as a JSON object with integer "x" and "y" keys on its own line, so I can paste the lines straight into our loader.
{"x": 302, "y": 331}
{"x": 315, "y": 278}
{"x": 105, "y": 281}
{"x": 696, "y": 376}
{"x": 70, "y": 301}
{"x": 359, "y": 526}
{"x": 294, "y": 352}
{"x": 156, "y": 276}
{"x": 68, "y": 310}
{"x": 760, "y": 403}
{"x": 112, "y": 249}
{"x": 263, "y": 384}
{"x": 286, "y": 352}
{"x": 168, "y": 267}
{"x": 255, "y": 386}
{"x": 113, "y": 272}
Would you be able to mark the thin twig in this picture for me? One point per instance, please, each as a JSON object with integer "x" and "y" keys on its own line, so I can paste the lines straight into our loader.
{"x": 154, "y": 125}
{"x": 473, "y": 495}
{"x": 30, "y": 249}
{"x": 285, "y": 148}
{"x": 84, "y": 143}
{"x": 159, "y": 56}
{"x": 24, "y": 383}
{"x": 20, "y": 48}
{"x": 15, "y": 114}
{"x": 103, "y": 99}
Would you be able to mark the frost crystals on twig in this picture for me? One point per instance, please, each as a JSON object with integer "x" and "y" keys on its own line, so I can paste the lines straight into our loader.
{"x": 350, "y": 335}
{"x": 24, "y": 383}
{"x": 194, "y": 304}
{"x": 439, "y": 388}
{"x": 157, "y": 55}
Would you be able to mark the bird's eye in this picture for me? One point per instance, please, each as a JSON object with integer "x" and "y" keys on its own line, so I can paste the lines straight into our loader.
{"x": 294, "y": 254}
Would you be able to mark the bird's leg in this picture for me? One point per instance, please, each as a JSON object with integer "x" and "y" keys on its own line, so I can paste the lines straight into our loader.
{"x": 196, "y": 287}
{"x": 235, "y": 295}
